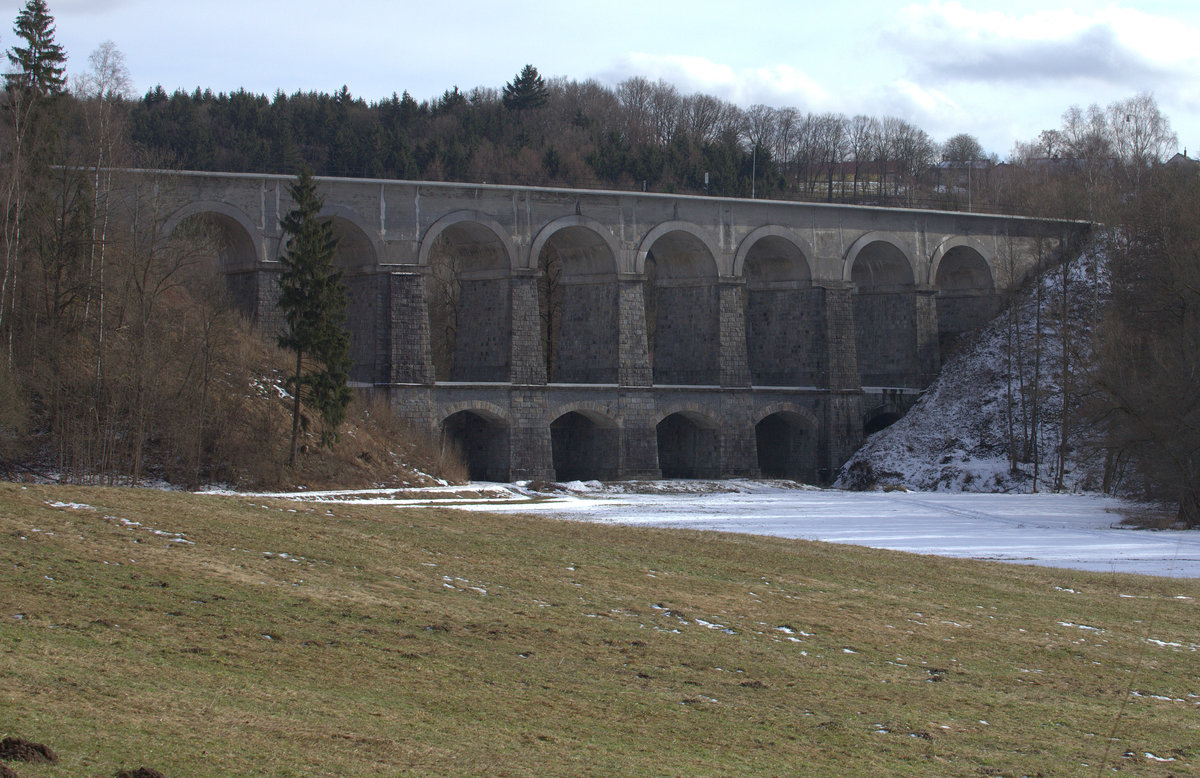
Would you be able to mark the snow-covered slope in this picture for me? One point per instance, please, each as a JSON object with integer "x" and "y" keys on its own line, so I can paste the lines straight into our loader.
{"x": 959, "y": 435}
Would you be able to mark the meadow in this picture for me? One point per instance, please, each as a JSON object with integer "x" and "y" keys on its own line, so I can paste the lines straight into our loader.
{"x": 235, "y": 635}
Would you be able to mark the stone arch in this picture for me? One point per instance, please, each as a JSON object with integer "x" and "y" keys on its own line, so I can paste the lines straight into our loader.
{"x": 357, "y": 247}
{"x": 491, "y": 246}
{"x": 885, "y": 312}
{"x": 487, "y": 410}
{"x": 876, "y": 260}
{"x": 876, "y": 240}
{"x": 602, "y": 236}
{"x": 577, "y": 260}
{"x": 784, "y": 314}
{"x": 804, "y": 414}
{"x": 356, "y": 256}
{"x": 688, "y": 240}
{"x": 689, "y": 443}
{"x": 480, "y": 432}
{"x": 785, "y": 437}
{"x": 601, "y": 413}
{"x": 470, "y": 258}
{"x": 774, "y": 233}
{"x": 682, "y": 303}
{"x": 880, "y": 419}
{"x": 231, "y": 250}
{"x": 882, "y": 411}
{"x": 245, "y": 247}
{"x": 585, "y": 443}
{"x": 950, "y": 246}
{"x": 966, "y": 291}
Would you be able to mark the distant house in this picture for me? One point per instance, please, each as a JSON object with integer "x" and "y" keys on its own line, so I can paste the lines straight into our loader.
{"x": 1183, "y": 162}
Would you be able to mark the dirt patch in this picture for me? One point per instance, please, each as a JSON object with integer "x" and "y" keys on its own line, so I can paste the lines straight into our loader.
{"x": 8, "y": 772}
{"x": 1150, "y": 517}
{"x": 15, "y": 749}
{"x": 141, "y": 772}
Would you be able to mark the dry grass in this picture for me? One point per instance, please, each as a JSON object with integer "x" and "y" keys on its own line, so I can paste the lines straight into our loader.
{"x": 373, "y": 448}
{"x": 300, "y": 639}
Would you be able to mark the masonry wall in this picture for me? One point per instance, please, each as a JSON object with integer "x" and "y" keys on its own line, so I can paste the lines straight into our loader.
{"x": 484, "y": 331}
{"x": 587, "y": 350}
{"x": 686, "y": 339}
{"x": 806, "y": 349}
{"x": 786, "y": 338}
{"x": 885, "y": 326}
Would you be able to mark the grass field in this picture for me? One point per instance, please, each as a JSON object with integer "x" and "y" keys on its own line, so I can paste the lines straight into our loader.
{"x": 204, "y": 635}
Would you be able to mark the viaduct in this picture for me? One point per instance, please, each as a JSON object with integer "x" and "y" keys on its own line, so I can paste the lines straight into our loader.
{"x": 569, "y": 334}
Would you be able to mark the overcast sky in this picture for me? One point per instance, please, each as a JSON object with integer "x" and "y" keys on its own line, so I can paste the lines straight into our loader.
{"x": 1000, "y": 71}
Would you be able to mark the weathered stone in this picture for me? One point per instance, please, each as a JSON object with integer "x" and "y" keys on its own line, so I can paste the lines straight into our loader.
{"x": 679, "y": 335}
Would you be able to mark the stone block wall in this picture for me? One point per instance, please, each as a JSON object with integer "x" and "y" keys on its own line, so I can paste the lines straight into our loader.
{"x": 885, "y": 326}
{"x": 786, "y": 337}
{"x": 587, "y": 350}
{"x": 482, "y": 340}
{"x": 686, "y": 340}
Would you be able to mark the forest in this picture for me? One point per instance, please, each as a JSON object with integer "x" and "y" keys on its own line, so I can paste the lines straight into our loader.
{"x": 122, "y": 358}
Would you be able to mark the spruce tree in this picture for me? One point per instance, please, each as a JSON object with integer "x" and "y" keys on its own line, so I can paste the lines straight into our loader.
{"x": 527, "y": 90}
{"x": 313, "y": 300}
{"x": 38, "y": 65}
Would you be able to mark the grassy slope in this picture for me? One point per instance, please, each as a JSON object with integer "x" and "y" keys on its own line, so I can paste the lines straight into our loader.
{"x": 584, "y": 656}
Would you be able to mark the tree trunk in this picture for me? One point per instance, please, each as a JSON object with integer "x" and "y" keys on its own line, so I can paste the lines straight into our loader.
{"x": 296, "y": 409}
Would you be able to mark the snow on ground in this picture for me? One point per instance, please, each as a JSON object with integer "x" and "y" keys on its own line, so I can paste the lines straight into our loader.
{"x": 956, "y": 438}
{"x": 1058, "y": 530}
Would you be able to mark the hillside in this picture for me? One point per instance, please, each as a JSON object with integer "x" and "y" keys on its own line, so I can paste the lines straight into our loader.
{"x": 958, "y": 438}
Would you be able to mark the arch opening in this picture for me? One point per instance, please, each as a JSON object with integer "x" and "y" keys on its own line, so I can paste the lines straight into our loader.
{"x": 226, "y": 264}
{"x": 688, "y": 447}
{"x": 885, "y": 317}
{"x": 785, "y": 340}
{"x": 880, "y": 421}
{"x": 585, "y": 448}
{"x": 469, "y": 300}
{"x": 355, "y": 257}
{"x": 483, "y": 443}
{"x": 786, "y": 447}
{"x": 966, "y": 296}
{"x": 577, "y": 298}
{"x": 682, "y": 311}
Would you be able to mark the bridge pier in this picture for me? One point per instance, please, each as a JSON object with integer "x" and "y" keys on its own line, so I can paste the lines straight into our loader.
{"x": 408, "y": 359}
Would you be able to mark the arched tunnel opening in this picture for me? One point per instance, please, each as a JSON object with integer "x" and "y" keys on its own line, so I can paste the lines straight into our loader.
{"x": 687, "y": 449}
{"x": 482, "y": 442}
{"x": 880, "y": 421}
{"x": 785, "y": 447}
{"x": 583, "y": 449}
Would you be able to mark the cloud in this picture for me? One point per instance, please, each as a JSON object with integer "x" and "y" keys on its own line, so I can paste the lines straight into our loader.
{"x": 772, "y": 85}
{"x": 90, "y": 6}
{"x": 1118, "y": 47}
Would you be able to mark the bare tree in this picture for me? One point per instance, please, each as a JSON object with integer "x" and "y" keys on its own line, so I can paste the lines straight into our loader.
{"x": 700, "y": 117}
{"x": 634, "y": 94}
{"x": 860, "y": 133}
{"x": 1141, "y": 134}
{"x": 962, "y": 147}
{"x": 106, "y": 82}
{"x": 663, "y": 110}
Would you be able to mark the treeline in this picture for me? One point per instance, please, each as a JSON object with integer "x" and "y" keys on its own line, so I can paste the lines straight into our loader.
{"x": 639, "y": 134}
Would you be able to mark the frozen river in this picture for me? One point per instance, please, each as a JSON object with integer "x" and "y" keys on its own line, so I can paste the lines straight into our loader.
{"x": 1074, "y": 531}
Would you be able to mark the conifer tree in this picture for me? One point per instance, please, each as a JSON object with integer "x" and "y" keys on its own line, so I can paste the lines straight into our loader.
{"x": 527, "y": 90}
{"x": 313, "y": 300}
{"x": 39, "y": 63}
